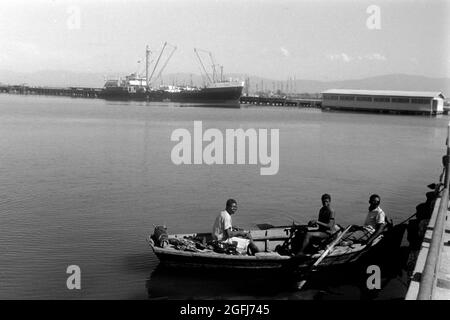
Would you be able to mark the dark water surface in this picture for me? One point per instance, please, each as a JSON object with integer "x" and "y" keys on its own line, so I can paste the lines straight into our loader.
{"x": 82, "y": 182}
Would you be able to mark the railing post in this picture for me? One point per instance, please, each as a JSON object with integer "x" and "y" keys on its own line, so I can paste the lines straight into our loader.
{"x": 431, "y": 268}
{"x": 446, "y": 161}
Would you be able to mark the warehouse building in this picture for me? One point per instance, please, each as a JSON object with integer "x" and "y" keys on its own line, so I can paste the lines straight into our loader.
{"x": 410, "y": 102}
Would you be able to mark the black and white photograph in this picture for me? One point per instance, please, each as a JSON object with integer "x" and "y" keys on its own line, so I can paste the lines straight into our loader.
{"x": 230, "y": 156}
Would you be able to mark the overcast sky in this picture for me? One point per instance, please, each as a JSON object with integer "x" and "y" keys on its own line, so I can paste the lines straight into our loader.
{"x": 321, "y": 40}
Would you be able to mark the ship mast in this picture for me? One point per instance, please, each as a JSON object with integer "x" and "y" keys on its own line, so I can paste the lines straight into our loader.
{"x": 213, "y": 66}
{"x": 147, "y": 55}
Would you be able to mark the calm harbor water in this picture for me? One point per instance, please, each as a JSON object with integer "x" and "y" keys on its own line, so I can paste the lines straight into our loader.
{"x": 83, "y": 182}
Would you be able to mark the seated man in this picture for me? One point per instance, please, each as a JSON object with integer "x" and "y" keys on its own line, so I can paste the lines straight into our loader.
{"x": 325, "y": 223}
{"x": 373, "y": 226}
{"x": 224, "y": 231}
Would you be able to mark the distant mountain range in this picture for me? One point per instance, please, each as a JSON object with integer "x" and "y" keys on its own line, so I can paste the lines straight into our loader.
{"x": 384, "y": 82}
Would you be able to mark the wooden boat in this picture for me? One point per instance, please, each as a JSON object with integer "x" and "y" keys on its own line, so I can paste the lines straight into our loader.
{"x": 268, "y": 258}
{"x": 266, "y": 240}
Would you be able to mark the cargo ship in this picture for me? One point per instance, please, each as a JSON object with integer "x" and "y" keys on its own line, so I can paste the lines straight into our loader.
{"x": 215, "y": 91}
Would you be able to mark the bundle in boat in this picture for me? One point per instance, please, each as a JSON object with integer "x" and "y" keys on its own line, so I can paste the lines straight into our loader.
{"x": 160, "y": 237}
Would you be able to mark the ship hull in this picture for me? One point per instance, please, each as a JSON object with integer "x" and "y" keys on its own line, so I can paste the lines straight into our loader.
{"x": 215, "y": 96}
{"x": 206, "y": 95}
{"x": 122, "y": 94}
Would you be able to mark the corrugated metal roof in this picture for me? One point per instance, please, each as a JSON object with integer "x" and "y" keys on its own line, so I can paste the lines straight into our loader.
{"x": 422, "y": 94}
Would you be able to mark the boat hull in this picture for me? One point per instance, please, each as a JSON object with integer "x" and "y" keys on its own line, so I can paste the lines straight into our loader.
{"x": 384, "y": 247}
{"x": 219, "y": 261}
{"x": 262, "y": 261}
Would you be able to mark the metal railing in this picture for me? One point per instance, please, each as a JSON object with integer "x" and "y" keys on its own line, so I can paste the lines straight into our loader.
{"x": 431, "y": 269}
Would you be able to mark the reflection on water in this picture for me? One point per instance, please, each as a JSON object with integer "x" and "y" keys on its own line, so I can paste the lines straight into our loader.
{"x": 232, "y": 104}
{"x": 171, "y": 283}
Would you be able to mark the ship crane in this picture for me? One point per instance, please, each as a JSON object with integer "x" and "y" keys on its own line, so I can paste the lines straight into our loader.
{"x": 213, "y": 65}
{"x": 167, "y": 60}
{"x": 157, "y": 62}
{"x": 150, "y": 78}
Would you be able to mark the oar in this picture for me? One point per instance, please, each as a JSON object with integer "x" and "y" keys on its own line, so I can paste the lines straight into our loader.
{"x": 267, "y": 226}
{"x": 324, "y": 254}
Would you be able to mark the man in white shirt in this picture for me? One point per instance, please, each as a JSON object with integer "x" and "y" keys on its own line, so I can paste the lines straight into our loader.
{"x": 223, "y": 230}
{"x": 374, "y": 224}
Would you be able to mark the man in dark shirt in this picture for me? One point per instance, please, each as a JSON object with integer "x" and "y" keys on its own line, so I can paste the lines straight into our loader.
{"x": 325, "y": 224}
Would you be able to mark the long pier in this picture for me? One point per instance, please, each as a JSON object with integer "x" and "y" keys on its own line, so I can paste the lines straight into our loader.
{"x": 85, "y": 92}
{"x": 431, "y": 276}
{"x": 82, "y": 92}
{"x": 281, "y": 101}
